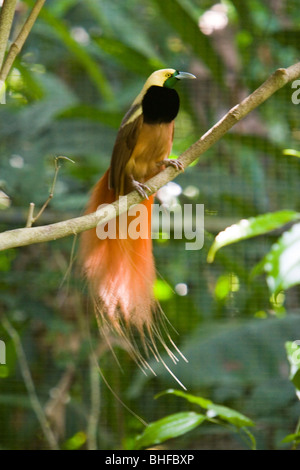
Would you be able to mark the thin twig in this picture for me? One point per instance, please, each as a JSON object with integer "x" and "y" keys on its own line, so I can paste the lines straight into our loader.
{"x": 28, "y": 236}
{"x": 55, "y": 408}
{"x": 93, "y": 420}
{"x": 17, "y": 45}
{"x": 25, "y": 371}
{"x": 6, "y": 20}
{"x": 30, "y": 215}
{"x": 30, "y": 219}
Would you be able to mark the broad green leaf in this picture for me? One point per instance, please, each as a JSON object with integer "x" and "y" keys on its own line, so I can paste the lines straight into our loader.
{"x": 223, "y": 412}
{"x": 248, "y": 228}
{"x": 282, "y": 263}
{"x": 230, "y": 415}
{"x": 187, "y": 28}
{"x": 169, "y": 427}
{"x": 293, "y": 354}
{"x": 203, "y": 402}
{"x": 292, "y": 438}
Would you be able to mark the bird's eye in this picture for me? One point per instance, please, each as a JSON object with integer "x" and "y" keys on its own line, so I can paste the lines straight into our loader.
{"x": 168, "y": 75}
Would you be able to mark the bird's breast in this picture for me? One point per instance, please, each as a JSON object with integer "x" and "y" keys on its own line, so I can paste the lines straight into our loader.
{"x": 153, "y": 145}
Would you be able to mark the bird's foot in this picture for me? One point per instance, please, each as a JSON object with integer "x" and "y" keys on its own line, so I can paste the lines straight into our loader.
{"x": 141, "y": 188}
{"x": 171, "y": 162}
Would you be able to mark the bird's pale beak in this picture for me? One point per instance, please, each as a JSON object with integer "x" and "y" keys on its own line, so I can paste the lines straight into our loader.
{"x": 185, "y": 75}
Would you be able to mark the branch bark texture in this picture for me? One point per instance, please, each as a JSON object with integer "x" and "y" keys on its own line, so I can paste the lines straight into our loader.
{"x": 17, "y": 45}
{"x": 28, "y": 236}
{"x": 6, "y": 19}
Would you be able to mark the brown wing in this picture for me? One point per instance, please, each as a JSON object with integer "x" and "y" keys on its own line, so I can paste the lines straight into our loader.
{"x": 123, "y": 148}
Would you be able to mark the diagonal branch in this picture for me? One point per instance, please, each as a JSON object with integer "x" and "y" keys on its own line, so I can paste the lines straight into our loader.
{"x": 17, "y": 45}
{"x": 28, "y": 236}
{"x": 6, "y": 18}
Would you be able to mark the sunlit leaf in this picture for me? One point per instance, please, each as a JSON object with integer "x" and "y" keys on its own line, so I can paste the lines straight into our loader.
{"x": 169, "y": 427}
{"x": 293, "y": 355}
{"x": 282, "y": 263}
{"x": 292, "y": 152}
{"x": 223, "y": 287}
{"x": 203, "y": 402}
{"x": 223, "y": 412}
{"x": 162, "y": 290}
{"x": 75, "y": 442}
{"x": 248, "y": 228}
{"x": 230, "y": 415}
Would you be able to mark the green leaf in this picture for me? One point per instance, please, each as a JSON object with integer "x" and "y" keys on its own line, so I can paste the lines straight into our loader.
{"x": 223, "y": 412}
{"x": 293, "y": 355}
{"x": 162, "y": 290}
{"x": 248, "y": 228}
{"x": 292, "y": 152}
{"x": 203, "y": 402}
{"x": 169, "y": 427}
{"x": 292, "y": 438}
{"x": 231, "y": 416}
{"x": 282, "y": 263}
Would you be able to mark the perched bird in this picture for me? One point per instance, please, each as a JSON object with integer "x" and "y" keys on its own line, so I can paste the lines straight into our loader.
{"x": 120, "y": 271}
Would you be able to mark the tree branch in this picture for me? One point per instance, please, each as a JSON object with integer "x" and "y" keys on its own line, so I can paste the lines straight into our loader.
{"x": 28, "y": 236}
{"x": 17, "y": 45}
{"x": 6, "y": 19}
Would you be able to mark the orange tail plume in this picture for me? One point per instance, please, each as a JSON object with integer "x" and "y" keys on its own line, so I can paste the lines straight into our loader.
{"x": 120, "y": 272}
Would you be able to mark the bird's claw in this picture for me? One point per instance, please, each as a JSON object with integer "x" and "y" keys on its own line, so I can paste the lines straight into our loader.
{"x": 141, "y": 188}
{"x": 171, "y": 162}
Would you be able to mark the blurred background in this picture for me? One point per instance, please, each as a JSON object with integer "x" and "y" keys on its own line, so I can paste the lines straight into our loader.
{"x": 81, "y": 67}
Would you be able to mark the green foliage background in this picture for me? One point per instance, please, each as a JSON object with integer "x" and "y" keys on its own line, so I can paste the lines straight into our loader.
{"x": 80, "y": 69}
